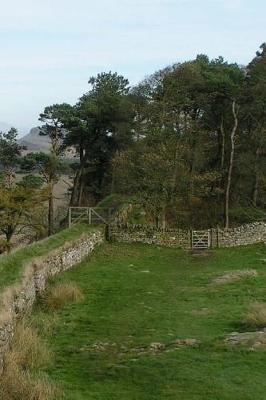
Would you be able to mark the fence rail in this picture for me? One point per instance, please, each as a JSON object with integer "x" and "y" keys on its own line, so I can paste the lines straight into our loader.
{"x": 201, "y": 240}
{"x": 90, "y": 215}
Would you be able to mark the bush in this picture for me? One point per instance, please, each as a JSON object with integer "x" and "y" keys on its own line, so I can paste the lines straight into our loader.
{"x": 62, "y": 294}
{"x": 256, "y": 317}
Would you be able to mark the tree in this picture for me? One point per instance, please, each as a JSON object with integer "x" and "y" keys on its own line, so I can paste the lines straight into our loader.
{"x": 255, "y": 120}
{"x": 9, "y": 155}
{"x": 187, "y": 142}
{"x": 49, "y": 165}
{"x": 193, "y": 101}
{"x": 48, "y": 168}
{"x": 231, "y": 162}
{"x": 17, "y": 205}
{"x": 98, "y": 125}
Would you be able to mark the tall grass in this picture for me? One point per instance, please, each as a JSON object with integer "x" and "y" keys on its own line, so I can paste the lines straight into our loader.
{"x": 20, "y": 381}
{"x": 28, "y": 350}
{"x": 62, "y": 294}
{"x": 256, "y": 317}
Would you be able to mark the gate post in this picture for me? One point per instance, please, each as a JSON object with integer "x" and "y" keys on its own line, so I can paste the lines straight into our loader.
{"x": 217, "y": 236}
{"x": 69, "y": 217}
{"x": 89, "y": 216}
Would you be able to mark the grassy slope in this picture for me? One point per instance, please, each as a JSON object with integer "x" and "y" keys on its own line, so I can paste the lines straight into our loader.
{"x": 125, "y": 305}
{"x": 11, "y": 265}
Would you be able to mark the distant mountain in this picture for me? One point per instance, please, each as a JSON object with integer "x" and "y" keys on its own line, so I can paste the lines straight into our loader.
{"x": 35, "y": 142}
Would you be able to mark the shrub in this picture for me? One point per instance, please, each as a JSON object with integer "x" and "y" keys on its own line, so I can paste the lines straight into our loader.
{"x": 257, "y": 315}
{"x": 62, "y": 294}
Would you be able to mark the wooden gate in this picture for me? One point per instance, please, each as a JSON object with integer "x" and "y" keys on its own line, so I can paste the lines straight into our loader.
{"x": 92, "y": 216}
{"x": 200, "y": 240}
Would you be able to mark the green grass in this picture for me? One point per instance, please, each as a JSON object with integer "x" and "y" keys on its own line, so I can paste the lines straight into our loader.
{"x": 11, "y": 266}
{"x": 125, "y": 305}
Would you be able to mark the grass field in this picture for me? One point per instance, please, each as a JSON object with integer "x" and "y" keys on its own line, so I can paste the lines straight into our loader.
{"x": 136, "y": 295}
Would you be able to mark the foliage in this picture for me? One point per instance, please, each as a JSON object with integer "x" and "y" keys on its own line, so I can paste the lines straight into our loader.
{"x": 31, "y": 181}
{"x": 47, "y": 168}
{"x": 9, "y": 156}
{"x": 9, "y": 148}
{"x": 200, "y": 140}
{"x": 97, "y": 126}
{"x": 188, "y": 142}
{"x": 17, "y": 206}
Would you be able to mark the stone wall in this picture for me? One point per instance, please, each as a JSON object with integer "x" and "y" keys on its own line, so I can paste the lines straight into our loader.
{"x": 151, "y": 235}
{"x": 242, "y": 235}
{"x": 18, "y": 299}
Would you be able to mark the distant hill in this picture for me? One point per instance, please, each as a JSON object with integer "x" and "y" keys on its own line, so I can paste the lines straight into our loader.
{"x": 35, "y": 142}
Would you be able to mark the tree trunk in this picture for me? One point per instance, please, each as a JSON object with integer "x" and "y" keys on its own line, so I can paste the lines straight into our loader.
{"x": 51, "y": 213}
{"x": 221, "y": 154}
{"x": 231, "y": 162}
{"x": 223, "y": 144}
{"x": 81, "y": 189}
{"x": 163, "y": 218}
{"x": 75, "y": 192}
{"x": 9, "y": 233}
{"x": 76, "y": 195}
{"x": 256, "y": 180}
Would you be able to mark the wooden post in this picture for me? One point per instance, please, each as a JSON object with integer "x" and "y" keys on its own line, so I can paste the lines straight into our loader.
{"x": 89, "y": 216}
{"x": 213, "y": 238}
{"x": 69, "y": 217}
{"x": 217, "y": 236}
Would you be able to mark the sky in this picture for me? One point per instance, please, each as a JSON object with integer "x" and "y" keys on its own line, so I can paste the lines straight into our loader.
{"x": 50, "y": 48}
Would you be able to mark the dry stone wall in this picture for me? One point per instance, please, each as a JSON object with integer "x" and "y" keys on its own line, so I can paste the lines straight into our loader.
{"x": 151, "y": 235}
{"x": 18, "y": 299}
{"x": 240, "y": 236}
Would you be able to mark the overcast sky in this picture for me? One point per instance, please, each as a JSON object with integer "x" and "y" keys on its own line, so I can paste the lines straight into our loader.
{"x": 50, "y": 48}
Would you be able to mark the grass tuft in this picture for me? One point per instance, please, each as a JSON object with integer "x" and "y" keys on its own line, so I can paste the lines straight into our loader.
{"x": 28, "y": 350}
{"x": 20, "y": 379}
{"x": 256, "y": 317}
{"x": 16, "y": 383}
{"x": 61, "y": 295}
